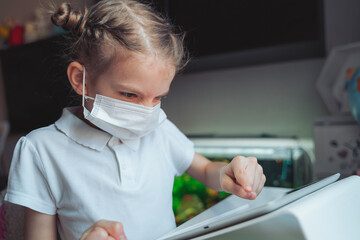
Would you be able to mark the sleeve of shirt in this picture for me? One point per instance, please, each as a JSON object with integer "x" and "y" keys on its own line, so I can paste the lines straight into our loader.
{"x": 27, "y": 184}
{"x": 180, "y": 148}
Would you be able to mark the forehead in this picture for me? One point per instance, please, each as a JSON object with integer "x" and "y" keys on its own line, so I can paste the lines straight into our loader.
{"x": 138, "y": 64}
{"x": 145, "y": 72}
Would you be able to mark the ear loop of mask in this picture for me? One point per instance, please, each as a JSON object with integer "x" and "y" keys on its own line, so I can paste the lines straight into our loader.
{"x": 83, "y": 90}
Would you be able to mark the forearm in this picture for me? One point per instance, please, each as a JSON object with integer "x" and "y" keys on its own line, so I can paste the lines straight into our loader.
{"x": 212, "y": 175}
{"x": 206, "y": 171}
{"x": 243, "y": 176}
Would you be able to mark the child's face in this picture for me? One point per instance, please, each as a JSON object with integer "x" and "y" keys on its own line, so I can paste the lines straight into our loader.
{"x": 140, "y": 79}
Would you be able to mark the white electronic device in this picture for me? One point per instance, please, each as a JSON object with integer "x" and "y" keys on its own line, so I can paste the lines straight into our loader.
{"x": 242, "y": 210}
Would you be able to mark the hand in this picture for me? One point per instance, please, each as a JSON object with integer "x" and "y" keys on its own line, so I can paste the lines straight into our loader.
{"x": 104, "y": 230}
{"x": 243, "y": 177}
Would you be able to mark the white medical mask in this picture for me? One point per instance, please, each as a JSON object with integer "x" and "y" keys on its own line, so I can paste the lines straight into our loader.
{"x": 124, "y": 120}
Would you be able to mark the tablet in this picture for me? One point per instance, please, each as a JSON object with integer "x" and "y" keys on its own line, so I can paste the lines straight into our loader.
{"x": 242, "y": 210}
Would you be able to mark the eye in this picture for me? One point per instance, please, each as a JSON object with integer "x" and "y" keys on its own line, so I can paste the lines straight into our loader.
{"x": 161, "y": 98}
{"x": 128, "y": 95}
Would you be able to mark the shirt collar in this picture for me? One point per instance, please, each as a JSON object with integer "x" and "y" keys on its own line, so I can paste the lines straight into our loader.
{"x": 80, "y": 132}
{"x": 85, "y": 135}
{"x": 132, "y": 144}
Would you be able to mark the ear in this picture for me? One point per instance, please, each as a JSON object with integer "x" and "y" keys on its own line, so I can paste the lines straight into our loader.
{"x": 75, "y": 76}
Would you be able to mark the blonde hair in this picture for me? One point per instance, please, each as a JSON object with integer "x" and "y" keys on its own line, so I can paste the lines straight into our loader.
{"x": 112, "y": 26}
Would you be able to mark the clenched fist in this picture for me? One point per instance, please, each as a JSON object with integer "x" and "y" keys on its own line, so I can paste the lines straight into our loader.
{"x": 243, "y": 177}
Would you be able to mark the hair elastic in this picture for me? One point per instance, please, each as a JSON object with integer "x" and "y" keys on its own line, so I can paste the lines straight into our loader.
{"x": 79, "y": 23}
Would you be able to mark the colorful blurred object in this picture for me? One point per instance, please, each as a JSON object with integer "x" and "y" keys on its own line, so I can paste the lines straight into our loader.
{"x": 6, "y": 27}
{"x": 353, "y": 93}
{"x": 14, "y": 31}
{"x": 16, "y": 36}
{"x": 4, "y": 32}
{"x": 190, "y": 197}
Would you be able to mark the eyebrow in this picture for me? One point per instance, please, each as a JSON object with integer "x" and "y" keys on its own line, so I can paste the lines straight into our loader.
{"x": 127, "y": 88}
{"x": 136, "y": 91}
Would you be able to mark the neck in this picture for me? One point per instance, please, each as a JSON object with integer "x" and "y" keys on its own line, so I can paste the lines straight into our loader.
{"x": 79, "y": 113}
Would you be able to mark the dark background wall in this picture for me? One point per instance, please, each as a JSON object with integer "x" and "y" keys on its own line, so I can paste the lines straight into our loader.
{"x": 272, "y": 97}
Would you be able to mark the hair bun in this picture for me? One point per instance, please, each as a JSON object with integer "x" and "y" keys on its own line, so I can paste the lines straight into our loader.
{"x": 66, "y": 17}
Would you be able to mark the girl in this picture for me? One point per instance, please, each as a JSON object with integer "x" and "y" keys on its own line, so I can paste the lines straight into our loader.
{"x": 116, "y": 156}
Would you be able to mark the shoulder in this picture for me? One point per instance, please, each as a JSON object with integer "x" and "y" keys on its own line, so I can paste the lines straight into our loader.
{"x": 172, "y": 135}
{"x": 41, "y": 133}
{"x": 168, "y": 130}
{"x": 168, "y": 127}
{"x": 29, "y": 148}
{"x": 178, "y": 147}
{"x": 43, "y": 136}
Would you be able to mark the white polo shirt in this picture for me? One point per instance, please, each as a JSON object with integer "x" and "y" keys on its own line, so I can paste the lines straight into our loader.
{"x": 83, "y": 175}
